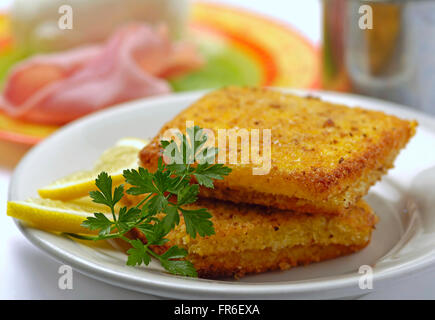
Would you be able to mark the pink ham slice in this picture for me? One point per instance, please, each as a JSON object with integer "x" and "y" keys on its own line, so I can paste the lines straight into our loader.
{"x": 58, "y": 88}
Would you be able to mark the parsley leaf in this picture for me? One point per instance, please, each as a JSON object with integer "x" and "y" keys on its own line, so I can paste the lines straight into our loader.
{"x": 157, "y": 204}
{"x": 174, "y": 253}
{"x": 137, "y": 254}
{"x": 98, "y": 222}
{"x": 171, "y": 219}
{"x": 205, "y": 174}
{"x": 180, "y": 267}
{"x": 198, "y": 221}
{"x": 154, "y": 233}
{"x": 141, "y": 179}
{"x": 104, "y": 194}
{"x": 127, "y": 218}
{"x": 188, "y": 194}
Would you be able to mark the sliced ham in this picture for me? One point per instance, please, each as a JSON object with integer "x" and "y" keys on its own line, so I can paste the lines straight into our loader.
{"x": 58, "y": 88}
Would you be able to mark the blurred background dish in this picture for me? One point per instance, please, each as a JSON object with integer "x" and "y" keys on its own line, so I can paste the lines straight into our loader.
{"x": 238, "y": 47}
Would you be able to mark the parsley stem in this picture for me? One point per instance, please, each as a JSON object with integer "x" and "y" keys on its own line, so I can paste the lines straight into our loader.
{"x": 113, "y": 215}
{"x": 152, "y": 253}
{"x": 79, "y": 236}
{"x": 125, "y": 238}
{"x": 94, "y": 238}
{"x": 143, "y": 200}
{"x": 182, "y": 178}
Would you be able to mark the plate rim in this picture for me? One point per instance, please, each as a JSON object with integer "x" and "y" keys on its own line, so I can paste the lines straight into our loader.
{"x": 181, "y": 287}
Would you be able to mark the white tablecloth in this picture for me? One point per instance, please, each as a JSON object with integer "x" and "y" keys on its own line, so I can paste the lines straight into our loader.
{"x": 28, "y": 273}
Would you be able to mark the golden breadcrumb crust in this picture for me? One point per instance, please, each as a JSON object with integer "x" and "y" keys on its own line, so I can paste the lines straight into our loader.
{"x": 238, "y": 265}
{"x": 324, "y": 156}
{"x": 251, "y": 239}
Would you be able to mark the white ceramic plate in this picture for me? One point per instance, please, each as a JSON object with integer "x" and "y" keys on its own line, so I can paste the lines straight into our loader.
{"x": 403, "y": 242}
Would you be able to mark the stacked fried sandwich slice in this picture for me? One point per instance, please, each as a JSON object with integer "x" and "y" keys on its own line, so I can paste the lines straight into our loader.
{"x": 307, "y": 206}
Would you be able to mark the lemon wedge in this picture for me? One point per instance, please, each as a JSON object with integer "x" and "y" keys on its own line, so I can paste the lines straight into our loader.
{"x": 124, "y": 155}
{"x": 55, "y": 215}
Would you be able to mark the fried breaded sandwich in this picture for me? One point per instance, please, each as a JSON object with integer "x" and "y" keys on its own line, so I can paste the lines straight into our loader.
{"x": 324, "y": 156}
{"x": 253, "y": 239}
{"x": 306, "y": 207}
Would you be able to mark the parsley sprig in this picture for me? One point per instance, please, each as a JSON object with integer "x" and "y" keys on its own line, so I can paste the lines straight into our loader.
{"x": 166, "y": 191}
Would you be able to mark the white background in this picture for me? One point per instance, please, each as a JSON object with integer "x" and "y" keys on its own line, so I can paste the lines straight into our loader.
{"x": 28, "y": 273}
